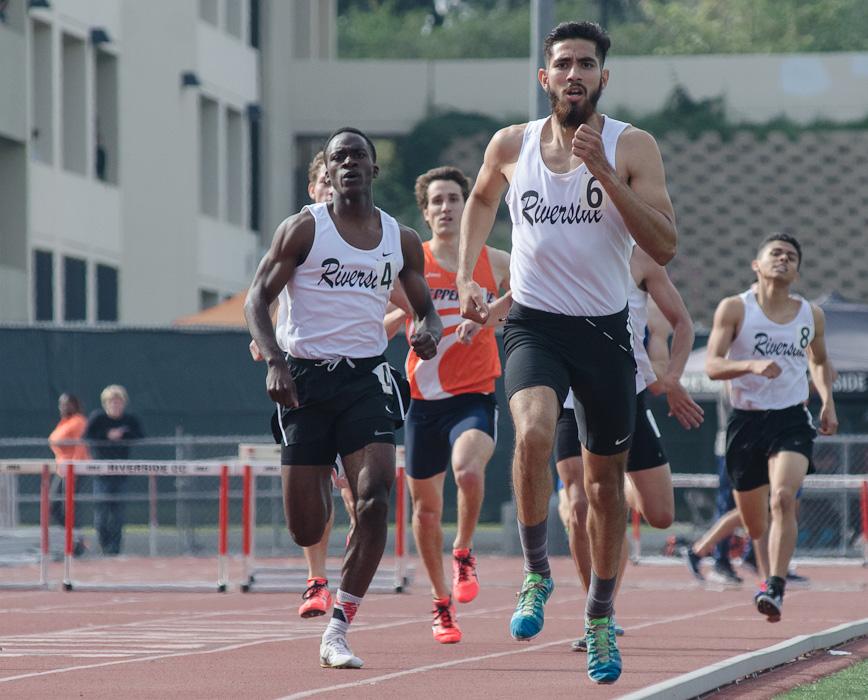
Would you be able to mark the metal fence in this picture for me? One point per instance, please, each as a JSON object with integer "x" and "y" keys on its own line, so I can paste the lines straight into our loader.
{"x": 831, "y": 511}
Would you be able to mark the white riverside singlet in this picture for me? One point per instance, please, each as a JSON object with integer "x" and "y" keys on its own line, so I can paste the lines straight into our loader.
{"x": 570, "y": 247}
{"x": 338, "y": 295}
{"x": 786, "y": 343}
{"x": 638, "y": 303}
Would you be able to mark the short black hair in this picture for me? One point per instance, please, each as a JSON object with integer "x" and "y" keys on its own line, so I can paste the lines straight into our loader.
{"x": 785, "y": 238}
{"x": 579, "y": 30}
{"x": 352, "y": 130}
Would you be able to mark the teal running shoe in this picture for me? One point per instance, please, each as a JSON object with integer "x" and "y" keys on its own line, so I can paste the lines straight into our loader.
{"x": 604, "y": 659}
{"x": 527, "y": 620}
{"x": 581, "y": 644}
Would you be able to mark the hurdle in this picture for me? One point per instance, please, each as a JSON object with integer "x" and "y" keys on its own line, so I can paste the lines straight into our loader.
{"x": 154, "y": 468}
{"x": 44, "y": 470}
{"x": 264, "y": 460}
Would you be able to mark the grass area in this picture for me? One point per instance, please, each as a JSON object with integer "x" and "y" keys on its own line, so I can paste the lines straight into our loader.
{"x": 852, "y": 682}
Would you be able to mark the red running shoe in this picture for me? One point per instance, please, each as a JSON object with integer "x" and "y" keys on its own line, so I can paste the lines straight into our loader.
{"x": 444, "y": 627}
{"x": 465, "y": 582}
{"x": 317, "y": 599}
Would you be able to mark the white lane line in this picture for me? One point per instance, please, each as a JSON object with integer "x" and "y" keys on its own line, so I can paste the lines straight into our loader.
{"x": 233, "y": 647}
{"x": 482, "y": 657}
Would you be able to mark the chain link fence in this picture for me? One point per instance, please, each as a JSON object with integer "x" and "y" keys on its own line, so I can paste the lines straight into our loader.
{"x": 830, "y": 510}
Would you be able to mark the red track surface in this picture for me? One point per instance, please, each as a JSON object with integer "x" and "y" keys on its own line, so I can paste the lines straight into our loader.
{"x": 211, "y": 645}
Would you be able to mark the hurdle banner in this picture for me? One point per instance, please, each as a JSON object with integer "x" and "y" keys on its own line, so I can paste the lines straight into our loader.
{"x": 138, "y": 468}
{"x": 151, "y": 469}
{"x": 43, "y": 469}
{"x": 264, "y": 460}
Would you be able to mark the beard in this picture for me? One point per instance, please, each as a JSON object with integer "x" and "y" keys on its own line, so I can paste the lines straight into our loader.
{"x": 572, "y": 114}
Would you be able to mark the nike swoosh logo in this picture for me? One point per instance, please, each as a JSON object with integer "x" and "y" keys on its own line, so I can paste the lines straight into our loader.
{"x": 385, "y": 255}
{"x": 380, "y": 432}
{"x": 622, "y": 440}
{"x": 388, "y": 409}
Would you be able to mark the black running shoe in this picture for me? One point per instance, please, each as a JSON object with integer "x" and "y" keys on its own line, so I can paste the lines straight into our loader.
{"x": 693, "y": 560}
{"x": 769, "y": 602}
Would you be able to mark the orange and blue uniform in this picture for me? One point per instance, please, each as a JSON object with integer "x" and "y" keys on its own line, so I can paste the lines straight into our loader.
{"x": 456, "y": 368}
{"x": 454, "y": 391}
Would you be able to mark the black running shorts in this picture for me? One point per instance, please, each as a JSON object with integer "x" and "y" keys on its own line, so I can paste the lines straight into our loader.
{"x": 432, "y": 428}
{"x": 593, "y": 355}
{"x": 754, "y": 436}
{"x": 646, "y": 452}
{"x": 343, "y": 406}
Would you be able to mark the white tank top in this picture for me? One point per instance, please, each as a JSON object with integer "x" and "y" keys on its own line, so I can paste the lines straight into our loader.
{"x": 338, "y": 295}
{"x": 786, "y": 343}
{"x": 638, "y": 303}
{"x": 570, "y": 247}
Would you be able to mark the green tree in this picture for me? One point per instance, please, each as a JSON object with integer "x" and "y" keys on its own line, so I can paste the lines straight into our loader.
{"x": 500, "y": 28}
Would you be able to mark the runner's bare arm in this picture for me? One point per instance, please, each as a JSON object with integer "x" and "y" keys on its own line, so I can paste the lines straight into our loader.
{"x": 479, "y": 214}
{"x": 291, "y": 243}
{"x": 675, "y": 315}
{"x": 640, "y": 195}
{"x": 429, "y": 328}
{"x": 822, "y": 373}
{"x": 500, "y": 306}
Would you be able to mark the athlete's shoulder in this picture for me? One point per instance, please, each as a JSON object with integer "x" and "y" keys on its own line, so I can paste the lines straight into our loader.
{"x": 299, "y": 221}
{"x": 730, "y": 309}
{"x": 817, "y": 312}
{"x": 633, "y": 140}
{"x": 505, "y": 145}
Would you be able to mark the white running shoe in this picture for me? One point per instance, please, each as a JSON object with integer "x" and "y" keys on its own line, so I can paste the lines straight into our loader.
{"x": 334, "y": 652}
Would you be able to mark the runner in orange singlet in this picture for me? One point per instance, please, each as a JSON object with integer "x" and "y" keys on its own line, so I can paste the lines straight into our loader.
{"x": 453, "y": 413}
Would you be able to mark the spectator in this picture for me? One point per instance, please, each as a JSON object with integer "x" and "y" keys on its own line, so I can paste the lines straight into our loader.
{"x": 65, "y": 441}
{"x": 109, "y": 434}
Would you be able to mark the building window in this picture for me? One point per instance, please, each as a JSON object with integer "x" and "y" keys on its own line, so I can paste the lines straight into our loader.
{"x": 255, "y": 164}
{"x": 43, "y": 285}
{"x": 254, "y": 23}
{"x": 234, "y": 18}
{"x": 106, "y": 293}
{"x": 234, "y": 167}
{"x": 41, "y": 95}
{"x": 106, "y": 124}
{"x": 209, "y": 158}
{"x": 74, "y": 289}
{"x": 12, "y": 14}
{"x": 207, "y": 299}
{"x": 74, "y": 112}
{"x": 210, "y": 11}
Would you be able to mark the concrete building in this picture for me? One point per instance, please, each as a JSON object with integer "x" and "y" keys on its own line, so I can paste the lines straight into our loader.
{"x": 124, "y": 153}
{"x": 148, "y": 150}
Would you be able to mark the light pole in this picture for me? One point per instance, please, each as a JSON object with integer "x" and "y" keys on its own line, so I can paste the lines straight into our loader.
{"x": 542, "y": 19}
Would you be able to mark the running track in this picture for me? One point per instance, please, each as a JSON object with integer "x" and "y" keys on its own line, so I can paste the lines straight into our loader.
{"x": 211, "y": 645}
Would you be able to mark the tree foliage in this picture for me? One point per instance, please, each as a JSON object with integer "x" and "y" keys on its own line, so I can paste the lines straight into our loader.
{"x": 500, "y": 28}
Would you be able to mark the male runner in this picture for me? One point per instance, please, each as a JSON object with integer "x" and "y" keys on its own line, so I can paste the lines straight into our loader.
{"x": 337, "y": 394}
{"x": 649, "y": 487}
{"x": 763, "y": 342}
{"x": 453, "y": 413}
{"x": 582, "y": 188}
{"x": 316, "y": 599}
